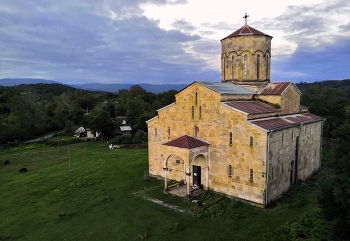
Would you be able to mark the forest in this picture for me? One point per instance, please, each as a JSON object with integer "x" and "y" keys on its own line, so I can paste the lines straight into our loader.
{"x": 28, "y": 111}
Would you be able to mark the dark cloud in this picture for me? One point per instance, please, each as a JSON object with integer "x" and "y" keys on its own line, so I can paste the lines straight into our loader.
{"x": 59, "y": 42}
{"x": 329, "y": 61}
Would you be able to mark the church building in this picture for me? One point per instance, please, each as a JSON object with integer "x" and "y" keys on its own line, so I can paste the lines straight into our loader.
{"x": 244, "y": 137}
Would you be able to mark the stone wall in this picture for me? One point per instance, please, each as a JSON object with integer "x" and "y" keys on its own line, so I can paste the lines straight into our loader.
{"x": 287, "y": 164}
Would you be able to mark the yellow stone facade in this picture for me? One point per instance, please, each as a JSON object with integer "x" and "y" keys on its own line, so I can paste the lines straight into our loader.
{"x": 258, "y": 142}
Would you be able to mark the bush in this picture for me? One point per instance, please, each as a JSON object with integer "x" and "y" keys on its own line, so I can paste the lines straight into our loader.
{"x": 14, "y": 143}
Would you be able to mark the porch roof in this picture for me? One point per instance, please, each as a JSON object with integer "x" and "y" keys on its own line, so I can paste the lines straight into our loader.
{"x": 187, "y": 142}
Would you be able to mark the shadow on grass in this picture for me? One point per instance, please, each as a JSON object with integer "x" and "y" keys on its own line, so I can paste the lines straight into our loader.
{"x": 192, "y": 206}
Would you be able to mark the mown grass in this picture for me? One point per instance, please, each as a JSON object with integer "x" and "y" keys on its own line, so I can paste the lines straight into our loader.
{"x": 87, "y": 192}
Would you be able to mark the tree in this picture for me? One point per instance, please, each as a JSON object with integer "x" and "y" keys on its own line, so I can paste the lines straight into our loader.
{"x": 100, "y": 121}
{"x": 334, "y": 197}
{"x": 27, "y": 111}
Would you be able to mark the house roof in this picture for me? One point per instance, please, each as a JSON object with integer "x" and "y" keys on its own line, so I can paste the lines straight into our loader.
{"x": 226, "y": 88}
{"x": 187, "y": 142}
{"x": 276, "y": 88}
{"x": 246, "y": 30}
{"x": 79, "y": 130}
{"x": 252, "y": 107}
{"x": 125, "y": 128}
{"x": 284, "y": 122}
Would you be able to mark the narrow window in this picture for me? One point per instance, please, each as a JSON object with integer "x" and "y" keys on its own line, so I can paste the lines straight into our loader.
{"x": 251, "y": 141}
{"x": 229, "y": 171}
{"x": 282, "y": 168}
{"x": 168, "y": 131}
{"x": 196, "y": 98}
{"x": 282, "y": 137}
{"x": 223, "y": 67}
{"x": 251, "y": 174}
{"x": 245, "y": 66}
{"x": 200, "y": 112}
{"x": 267, "y": 67}
{"x": 192, "y": 111}
{"x": 258, "y": 67}
{"x": 233, "y": 67}
{"x": 196, "y": 132}
{"x": 230, "y": 138}
{"x": 155, "y": 131}
{"x": 292, "y": 135}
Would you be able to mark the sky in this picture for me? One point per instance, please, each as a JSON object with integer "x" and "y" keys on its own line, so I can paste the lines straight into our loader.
{"x": 167, "y": 41}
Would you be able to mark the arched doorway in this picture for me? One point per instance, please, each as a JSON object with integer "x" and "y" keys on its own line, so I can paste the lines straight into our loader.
{"x": 200, "y": 171}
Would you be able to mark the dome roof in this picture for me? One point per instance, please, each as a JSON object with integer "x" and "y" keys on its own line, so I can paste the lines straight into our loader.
{"x": 244, "y": 31}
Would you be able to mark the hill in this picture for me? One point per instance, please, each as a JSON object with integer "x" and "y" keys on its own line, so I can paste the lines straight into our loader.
{"x": 343, "y": 85}
{"x": 96, "y": 86}
{"x": 14, "y": 82}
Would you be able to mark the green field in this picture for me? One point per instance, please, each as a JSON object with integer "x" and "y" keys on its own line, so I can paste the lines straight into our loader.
{"x": 86, "y": 191}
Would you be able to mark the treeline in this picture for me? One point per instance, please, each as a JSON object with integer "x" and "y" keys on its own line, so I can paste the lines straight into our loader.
{"x": 343, "y": 85}
{"x": 328, "y": 99}
{"x": 27, "y": 111}
{"x": 331, "y": 100}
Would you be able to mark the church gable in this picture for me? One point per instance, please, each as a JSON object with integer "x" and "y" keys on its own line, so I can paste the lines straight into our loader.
{"x": 283, "y": 94}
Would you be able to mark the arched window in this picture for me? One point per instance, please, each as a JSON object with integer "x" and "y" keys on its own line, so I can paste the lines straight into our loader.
{"x": 200, "y": 112}
{"x": 251, "y": 141}
{"x": 223, "y": 63}
{"x": 258, "y": 67}
{"x": 245, "y": 66}
{"x": 267, "y": 67}
{"x": 192, "y": 111}
{"x": 196, "y": 132}
{"x": 233, "y": 67}
{"x": 196, "y": 98}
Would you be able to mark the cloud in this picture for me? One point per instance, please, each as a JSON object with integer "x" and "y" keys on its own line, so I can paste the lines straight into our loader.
{"x": 313, "y": 64}
{"x": 111, "y": 41}
{"x": 55, "y": 41}
{"x": 182, "y": 24}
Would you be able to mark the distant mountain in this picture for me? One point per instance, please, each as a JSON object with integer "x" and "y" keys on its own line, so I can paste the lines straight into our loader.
{"x": 97, "y": 86}
{"x": 13, "y": 82}
{"x": 116, "y": 87}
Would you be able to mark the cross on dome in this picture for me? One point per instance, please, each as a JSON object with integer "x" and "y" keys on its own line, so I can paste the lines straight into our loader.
{"x": 246, "y": 16}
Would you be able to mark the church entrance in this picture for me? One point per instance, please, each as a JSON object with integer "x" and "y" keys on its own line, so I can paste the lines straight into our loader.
{"x": 196, "y": 175}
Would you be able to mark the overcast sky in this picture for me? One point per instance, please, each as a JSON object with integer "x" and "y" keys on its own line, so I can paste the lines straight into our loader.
{"x": 167, "y": 41}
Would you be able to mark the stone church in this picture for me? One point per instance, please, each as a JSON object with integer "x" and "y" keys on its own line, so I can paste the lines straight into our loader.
{"x": 245, "y": 137}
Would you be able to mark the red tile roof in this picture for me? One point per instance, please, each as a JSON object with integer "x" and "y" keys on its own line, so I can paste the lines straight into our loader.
{"x": 304, "y": 118}
{"x": 287, "y": 121}
{"x": 275, "y": 88}
{"x": 187, "y": 142}
{"x": 245, "y": 30}
{"x": 273, "y": 124}
{"x": 252, "y": 107}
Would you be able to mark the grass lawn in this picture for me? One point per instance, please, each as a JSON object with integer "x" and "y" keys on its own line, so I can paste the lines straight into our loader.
{"x": 87, "y": 192}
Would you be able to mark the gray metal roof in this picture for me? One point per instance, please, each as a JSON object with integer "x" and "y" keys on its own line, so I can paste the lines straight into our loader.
{"x": 125, "y": 128}
{"x": 226, "y": 88}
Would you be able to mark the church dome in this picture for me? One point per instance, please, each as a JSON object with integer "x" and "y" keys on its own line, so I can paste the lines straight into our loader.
{"x": 244, "y": 31}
